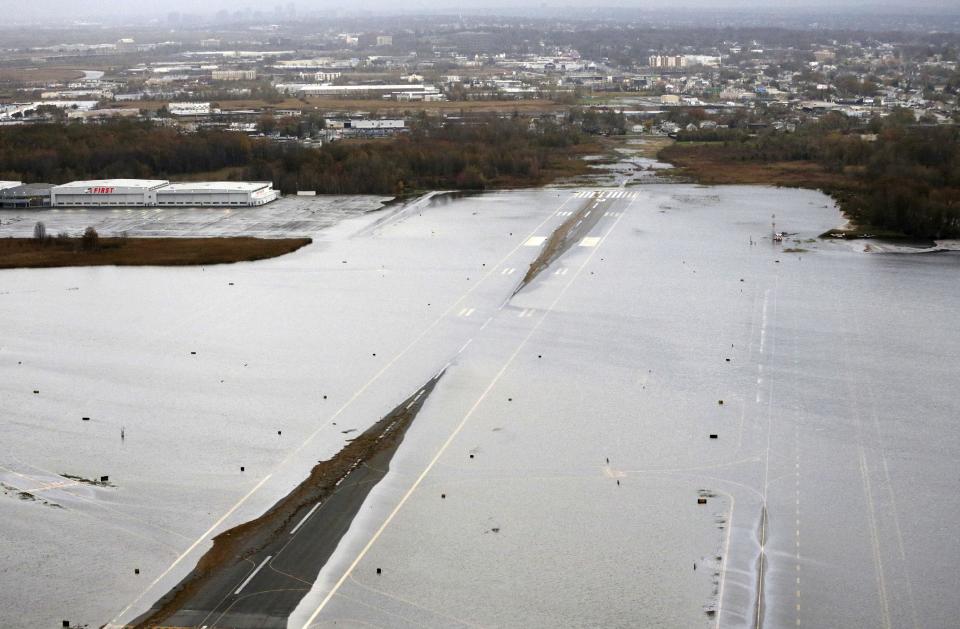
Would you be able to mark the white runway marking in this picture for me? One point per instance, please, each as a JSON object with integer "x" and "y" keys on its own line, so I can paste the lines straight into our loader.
{"x": 113, "y": 624}
{"x": 304, "y": 519}
{"x": 446, "y": 444}
{"x": 508, "y": 271}
{"x": 535, "y": 241}
{"x": 589, "y": 241}
{"x": 466, "y": 312}
{"x": 253, "y": 574}
{"x": 561, "y": 271}
{"x": 462, "y": 348}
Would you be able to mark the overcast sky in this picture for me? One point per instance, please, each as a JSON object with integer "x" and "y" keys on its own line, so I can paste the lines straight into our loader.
{"x": 60, "y": 9}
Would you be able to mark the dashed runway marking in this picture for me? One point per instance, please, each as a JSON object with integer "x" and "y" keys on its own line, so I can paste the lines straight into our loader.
{"x": 589, "y": 241}
{"x": 535, "y": 241}
{"x": 466, "y": 312}
{"x": 252, "y": 574}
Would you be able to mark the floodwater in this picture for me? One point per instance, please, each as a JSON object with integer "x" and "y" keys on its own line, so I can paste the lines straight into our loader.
{"x": 587, "y": 402}
{"x": 288, "y": 216}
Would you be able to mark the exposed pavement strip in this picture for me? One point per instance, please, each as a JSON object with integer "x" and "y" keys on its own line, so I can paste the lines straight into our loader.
{"x": 256, "y": 573}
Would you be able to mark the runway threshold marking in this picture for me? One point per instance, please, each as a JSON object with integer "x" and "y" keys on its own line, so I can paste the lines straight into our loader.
{"x": 304, "y": 519}
{"x": 535, "y": 241}
{"x": 113, "y": 624}
{"x": 253, "y": 574}
{"x": 590, "y": 241}
{"x": 453, "y": 435}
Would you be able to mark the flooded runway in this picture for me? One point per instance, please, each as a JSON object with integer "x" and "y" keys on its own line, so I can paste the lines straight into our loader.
{"x": 589, "y": 473}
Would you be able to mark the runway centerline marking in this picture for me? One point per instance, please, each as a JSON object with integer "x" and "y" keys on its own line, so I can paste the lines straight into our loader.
{"x": 453, "y": 435}
{"x": 252, "y": 574}
{"x": 304, "y": 518}
{"x": 206, "y": 535}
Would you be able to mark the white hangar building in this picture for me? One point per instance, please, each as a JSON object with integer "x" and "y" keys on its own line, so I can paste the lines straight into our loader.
{"x": 216, "y": 193}
{"x": 161, "y": 193}
{"x": 106, "y": 193}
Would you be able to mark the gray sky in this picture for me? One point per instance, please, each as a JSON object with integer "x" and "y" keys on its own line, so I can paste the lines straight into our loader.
{"x": 59, "y": 9}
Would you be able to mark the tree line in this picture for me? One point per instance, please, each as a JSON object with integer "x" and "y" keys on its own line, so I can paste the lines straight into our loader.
{"x": 469, "y": 154}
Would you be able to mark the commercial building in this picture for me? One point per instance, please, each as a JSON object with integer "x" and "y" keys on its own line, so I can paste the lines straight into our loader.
{"x": 667, "y": 61}
{"x": 107, "y": 192}
{"x": 25, "y": 195}
{"x": 234, "y": 75}
{"x": 366, "y": 128}
{"x": 216, "y": 193}
{"x": 396, "y": 92}
{"x": 161, "y": 193}
{"x": 189, "y": 109}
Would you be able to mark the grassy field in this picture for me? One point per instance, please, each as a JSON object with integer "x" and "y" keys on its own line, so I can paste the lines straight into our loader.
{"x": 699, "y": 162}
{"x": 651, "y": 147}
{"x": 18, "y": 253}
{"x": 39, "y": 75}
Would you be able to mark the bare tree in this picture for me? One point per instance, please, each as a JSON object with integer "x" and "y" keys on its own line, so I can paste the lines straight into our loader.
{"x": 40, "y": 232}
{"x": 90, "y": 239}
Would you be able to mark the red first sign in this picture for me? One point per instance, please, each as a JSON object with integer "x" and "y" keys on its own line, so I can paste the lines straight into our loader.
{"x": 100, "y": 190}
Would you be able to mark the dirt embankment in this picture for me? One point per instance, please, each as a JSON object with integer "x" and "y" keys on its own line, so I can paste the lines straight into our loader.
{"x": 19, "y": 253}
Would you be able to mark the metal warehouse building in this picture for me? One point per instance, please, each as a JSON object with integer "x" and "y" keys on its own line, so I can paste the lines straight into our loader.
{"x": 107, "y": 193}
{"x": 216, "y": 193}
{"x": 27, "y": 195}
{"x": 161, "y": 193}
